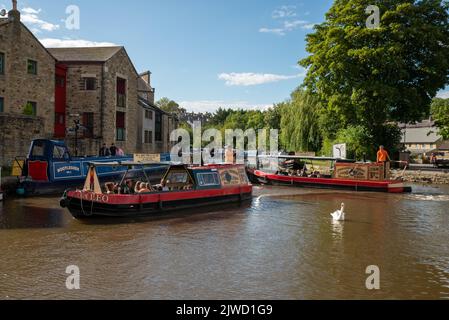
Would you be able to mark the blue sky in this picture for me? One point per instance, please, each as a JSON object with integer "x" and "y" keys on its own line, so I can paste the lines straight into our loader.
{"x": 202, "y": 53}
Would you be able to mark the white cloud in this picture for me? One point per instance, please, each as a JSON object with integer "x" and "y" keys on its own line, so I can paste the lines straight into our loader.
{"x": 68, "y": 43}
{"x": 31, "y": 11}
{"x": 285, "y": 15}
{"x": 308, "y": 26}
{"x": 292, "y": 25}
{"x": 30, "y": 17}
{"x": 214, "y": 105}
{"x": 443, "y": 94}
{"x": 284, "y": 12}
{"x": 278, "y": 31}
{"x": 252, "y": 79}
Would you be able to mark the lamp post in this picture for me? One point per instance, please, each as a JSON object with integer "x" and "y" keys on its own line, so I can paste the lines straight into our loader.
{"x": 77, "y": 127}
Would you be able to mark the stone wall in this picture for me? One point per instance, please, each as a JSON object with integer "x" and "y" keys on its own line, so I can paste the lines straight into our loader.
{"x": 17, "y": 86}
{"x": 15, "y": 141}
{"x": 430, "y": 177}
{"x": 120, "y": 66}
{"x": 80, "y": 101}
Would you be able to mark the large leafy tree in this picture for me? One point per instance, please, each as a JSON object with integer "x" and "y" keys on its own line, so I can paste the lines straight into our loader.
{"x": 440, "y": 113}
{"x": 300, "y": 123}
{"x": 170, "y": 106}
{"x": 367, "y": 77}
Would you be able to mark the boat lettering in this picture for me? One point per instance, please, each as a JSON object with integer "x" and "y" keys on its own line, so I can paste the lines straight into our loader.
{"x": 90, "y": 196}
{"x": 67, "y": 168}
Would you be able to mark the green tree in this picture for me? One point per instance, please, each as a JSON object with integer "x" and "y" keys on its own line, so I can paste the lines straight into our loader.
{"x": 273, "y": 116}
{"x": 300, "y": 126}
{"x": 220, "y": 116}
{"x": 440, "y": 113}
{"x": 369, "y": 76}
{"x": 170, "y": 106}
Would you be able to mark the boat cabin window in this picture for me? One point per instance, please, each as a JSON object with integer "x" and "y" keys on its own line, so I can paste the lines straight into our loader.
{"x": 208, "y": 179}
{"x": 38, "y": 149}
{"x": 60, "y": 153}
{"x": 177, "y": 179}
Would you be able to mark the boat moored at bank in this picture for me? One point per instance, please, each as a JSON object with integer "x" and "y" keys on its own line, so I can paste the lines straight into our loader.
{"x": 49, "y": 168}
{"x": 343, "y": 174}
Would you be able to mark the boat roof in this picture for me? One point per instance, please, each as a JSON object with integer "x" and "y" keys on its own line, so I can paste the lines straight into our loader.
{"x": 129, "y": 163}
{"x": 299, "y": 157}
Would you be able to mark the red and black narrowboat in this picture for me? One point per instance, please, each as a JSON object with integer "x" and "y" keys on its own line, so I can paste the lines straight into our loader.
{"x": 182, "y": 187}
{"x": 344, "y": 175}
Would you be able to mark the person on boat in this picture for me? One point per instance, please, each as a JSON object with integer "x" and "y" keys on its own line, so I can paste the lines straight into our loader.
{"x": 166, "y": 186}
{"x": 110, "y": 188}
{"x": 145, "y": 188}
{"x": 120, "y": 152}
{"x": 128, "y": 187}
{"x": 384, "y": 158}
{"x": 113, "y": 150}
{"x": 104, "y": 151}
{"x": 137, "y": 187}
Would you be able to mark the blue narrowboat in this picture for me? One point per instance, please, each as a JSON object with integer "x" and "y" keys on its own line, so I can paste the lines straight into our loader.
{"x": 50, "y": 169}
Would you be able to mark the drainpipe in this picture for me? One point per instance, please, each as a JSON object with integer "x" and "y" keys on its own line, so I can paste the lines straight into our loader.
{"x": 102, "y": 102}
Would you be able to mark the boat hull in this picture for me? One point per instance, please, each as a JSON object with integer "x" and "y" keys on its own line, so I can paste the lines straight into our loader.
{"x": 331, "y": 183}
{"x": 84, "y": 205}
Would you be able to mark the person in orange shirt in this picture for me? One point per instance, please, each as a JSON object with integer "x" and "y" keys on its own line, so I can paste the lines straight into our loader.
{"x": 383, "y": 157}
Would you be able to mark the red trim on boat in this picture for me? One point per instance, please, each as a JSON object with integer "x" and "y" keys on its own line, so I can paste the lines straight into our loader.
{"x": 391, "y": 186}
{"x": 118, "y": 199}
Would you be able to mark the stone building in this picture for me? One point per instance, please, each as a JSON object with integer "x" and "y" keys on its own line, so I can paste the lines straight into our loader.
{"x": 101, "y": 91}
{"x": 421, "y": 137}
{"x": 154, "y": 124}
{"x": 27, "y": 82}
{"x": 45, "y": 92}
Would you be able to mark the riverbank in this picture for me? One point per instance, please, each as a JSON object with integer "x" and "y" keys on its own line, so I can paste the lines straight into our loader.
{"x": 427, "y": 177}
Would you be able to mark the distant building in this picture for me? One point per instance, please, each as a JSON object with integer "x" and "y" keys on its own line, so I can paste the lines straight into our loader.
{"x": 444, "y": 146}
{"x": 420, "y": 138}
{"x": 155, "y": 125}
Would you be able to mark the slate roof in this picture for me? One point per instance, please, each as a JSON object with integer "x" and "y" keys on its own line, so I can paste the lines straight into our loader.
{"x": 420, "y": 135}
{"x": 92, "y": 54}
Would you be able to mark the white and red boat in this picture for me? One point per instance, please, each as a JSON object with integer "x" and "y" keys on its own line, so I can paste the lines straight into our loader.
{"x": 182, "y": 187}
{"x": 346, "y": 175}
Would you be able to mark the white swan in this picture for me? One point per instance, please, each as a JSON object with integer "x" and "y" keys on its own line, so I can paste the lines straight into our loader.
{"x": 339, "y": 215}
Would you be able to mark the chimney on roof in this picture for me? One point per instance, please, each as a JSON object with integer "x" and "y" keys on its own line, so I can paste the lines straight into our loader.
{"x": 14, "y": 14}
{"x": 146, "y": 76}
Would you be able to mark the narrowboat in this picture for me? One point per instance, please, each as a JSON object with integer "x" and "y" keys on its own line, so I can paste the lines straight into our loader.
{"x": 50, "y": 169}
{"x": 181, "y": 187}
{"x": 343, "y": 174}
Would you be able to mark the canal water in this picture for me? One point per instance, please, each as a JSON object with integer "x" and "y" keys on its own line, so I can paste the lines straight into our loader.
{"x": 282, "y": 246}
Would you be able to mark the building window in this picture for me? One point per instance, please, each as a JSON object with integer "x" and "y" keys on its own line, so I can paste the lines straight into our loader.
{"x": 148, "y": 137}
{"x": 120, "y": 125}
{"x": 89, "y": 84}
{"x": 2, "y": 104}
{"x": 149, "y": 114}
{"x": 88, "y": 124}
{"x": 30, "y": 109}
{"x": 121, "y": 93}
{"x": 158, "y": 127}
{"x": 2, "y": 63}
{"x": 32, "y": 67}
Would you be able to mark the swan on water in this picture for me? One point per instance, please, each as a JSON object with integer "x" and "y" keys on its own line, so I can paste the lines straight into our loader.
{"x": 339, "y": 215}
